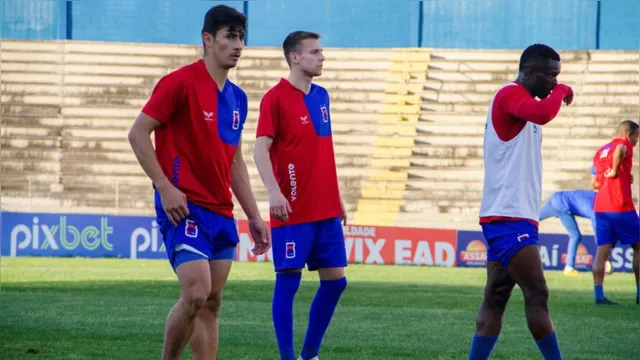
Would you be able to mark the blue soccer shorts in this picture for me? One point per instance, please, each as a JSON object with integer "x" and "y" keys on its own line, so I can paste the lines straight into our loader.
{"x": 318, "y": 244}
{"x": 613, "y": 227}
{"x": 505, "y": 238}
{"x": 203, "y": 235}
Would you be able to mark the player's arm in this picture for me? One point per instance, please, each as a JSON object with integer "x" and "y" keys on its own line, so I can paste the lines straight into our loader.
{"x": 618, "y": 154}
{"x": 158, "y": 110}
{"x": 241, "y": 185}
{"x": 522, "y": 106}
{"x": 268, "y": 122}
{"x": 595, "y": 185}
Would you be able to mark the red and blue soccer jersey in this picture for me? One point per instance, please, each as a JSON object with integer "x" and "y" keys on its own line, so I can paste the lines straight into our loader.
{"x": 614, "y": 194}
{"x": 201, "y": 128}
{"x": 302, "y": 151}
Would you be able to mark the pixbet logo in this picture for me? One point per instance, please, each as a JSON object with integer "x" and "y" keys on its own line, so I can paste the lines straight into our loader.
{"x": 45, "y": 236}
{"x": 142, "y": 240}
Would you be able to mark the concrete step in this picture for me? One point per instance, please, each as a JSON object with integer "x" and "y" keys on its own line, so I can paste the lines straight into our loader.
{"x": 563, "y": 119}
{"x": 579, "y": 109}
{"x": 508, "y": 76}
{"x": 512, "y": 66}
{"x": 493, "y": 86}
{"x": 486, "y": 97}
{"x": 514, "y": 55}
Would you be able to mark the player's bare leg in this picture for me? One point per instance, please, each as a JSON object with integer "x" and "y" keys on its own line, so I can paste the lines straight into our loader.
{"x": 599, "y": 264}
{"x": 526, "y": 269}
{"x": 489, "y": 319}
{"x": 332, "y": 284}
{"x": 636, "y": 269}
{"x": 204, "y": 341}
{"x": 195, "y": 287}
{"x": 496, "y": 296}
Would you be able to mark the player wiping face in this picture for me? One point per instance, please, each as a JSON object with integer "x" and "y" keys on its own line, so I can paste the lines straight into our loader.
{"x": 510, "y": 208}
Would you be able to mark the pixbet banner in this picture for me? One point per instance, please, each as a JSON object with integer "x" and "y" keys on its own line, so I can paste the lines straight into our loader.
{"x": 138, "y": 237}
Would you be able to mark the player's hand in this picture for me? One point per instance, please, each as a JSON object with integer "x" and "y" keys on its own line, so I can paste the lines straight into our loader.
{"x": 174, "y": 203}
{"x": 344, "y": 213}
{"x": 610, "y": 173}
{"x": 279, "y": 206}
{"x": 568, "y": 97}
{"x": 261, "y": 236}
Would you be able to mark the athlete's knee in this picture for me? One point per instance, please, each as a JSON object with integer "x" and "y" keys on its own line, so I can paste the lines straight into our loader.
{"x": 213, "y": 302}
{"x": 537, "y": 293}
{"x": 497, "y": 300}
{"x": 339, "y": 285}
{"x": 195, "y": 297}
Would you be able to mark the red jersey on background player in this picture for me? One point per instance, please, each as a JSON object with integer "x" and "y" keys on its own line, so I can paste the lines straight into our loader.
{"x": 616, "y": 217}
{"x": 197, "y": 116}
{"x": 294, "y": 154}
{"x": 512, "y": 194}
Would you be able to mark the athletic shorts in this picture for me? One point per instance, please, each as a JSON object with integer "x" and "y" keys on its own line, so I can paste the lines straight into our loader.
{"x": 203, "y": 235}
{"x": 318, "y": 244}
{"x": 505, "y": 238}
{"x": 613, "y": 227}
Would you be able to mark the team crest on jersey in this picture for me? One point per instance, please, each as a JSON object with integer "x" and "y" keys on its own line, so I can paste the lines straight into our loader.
{"x": 290, "y": 250}
{"x": 191, "y": 229}
{"x": 325, "y": 113}
{"x": 208, "y": 115}
{"x": 236, "y": 120}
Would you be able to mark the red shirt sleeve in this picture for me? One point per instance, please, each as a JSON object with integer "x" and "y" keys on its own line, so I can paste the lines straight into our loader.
{"x": 165, "y": 98}
{"x": 269, "y": 114}
{"x": 521, "y": 105}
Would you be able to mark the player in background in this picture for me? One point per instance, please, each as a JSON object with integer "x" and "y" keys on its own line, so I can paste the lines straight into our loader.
{"x": 616, "y": 217}
{"x": 566, "y": 205}
{"x": 510, "y": 207}
{"x": 197, "y": 117}
{"x": 294, "y": 155}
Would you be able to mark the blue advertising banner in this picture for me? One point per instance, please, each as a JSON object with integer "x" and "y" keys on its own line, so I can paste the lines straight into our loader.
{"x": 472, "y": 252}
{"x": 60, "y": 235}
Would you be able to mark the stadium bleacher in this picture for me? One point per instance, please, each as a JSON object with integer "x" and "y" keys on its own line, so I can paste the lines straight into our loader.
{"x": 407, "y": 124}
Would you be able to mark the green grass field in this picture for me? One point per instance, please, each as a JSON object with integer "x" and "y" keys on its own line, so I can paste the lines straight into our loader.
{"x": 115, "y": 309}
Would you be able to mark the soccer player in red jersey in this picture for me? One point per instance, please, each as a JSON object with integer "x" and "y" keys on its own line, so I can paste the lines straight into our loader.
{"x": 616, "y": 217}
{"x": 512, "y": 194}
{"x": 295, "y": 158}
{"x": 197, "y": 117}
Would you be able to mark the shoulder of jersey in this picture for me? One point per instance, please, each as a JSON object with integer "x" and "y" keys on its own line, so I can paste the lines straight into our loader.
{"x": 321, "y": 89}
{"x": 237, "y": 89}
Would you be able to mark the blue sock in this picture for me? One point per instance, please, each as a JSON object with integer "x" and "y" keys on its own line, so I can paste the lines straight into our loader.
{"x": 482, "y": 346}
{"x": 549, "y": 347}
{"x": 322, "y": 308}
{"x": 287, "y": 285}
{"x": 599, "y": 292}
{"x": 637, "y": 292}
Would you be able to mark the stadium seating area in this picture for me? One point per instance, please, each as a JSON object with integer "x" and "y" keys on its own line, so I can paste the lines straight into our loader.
{"x": 407, "y": 124}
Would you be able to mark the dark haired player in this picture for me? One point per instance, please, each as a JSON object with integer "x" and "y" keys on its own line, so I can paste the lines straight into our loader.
{"x": 197, "y": 116}
{"x": 616, "y": 217}
{"x": 510, "y": 208}
{"x": 294, "y": 154}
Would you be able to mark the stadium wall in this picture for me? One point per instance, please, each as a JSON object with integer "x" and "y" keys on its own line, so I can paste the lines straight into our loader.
{"x": 137, "y": 237}
{"x": 566, "y": 25}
